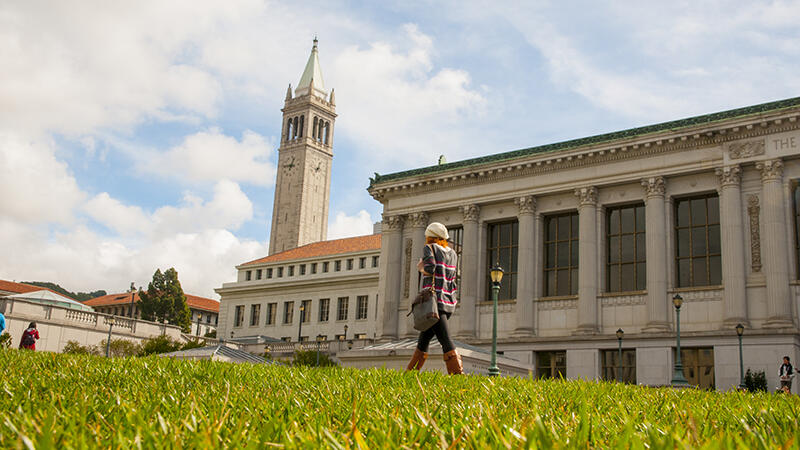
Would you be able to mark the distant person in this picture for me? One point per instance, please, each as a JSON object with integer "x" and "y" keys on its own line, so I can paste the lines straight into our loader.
{"x": 29, "y": 337}
{"x": 785, "y": 373}
{"x": 2, "y": 323}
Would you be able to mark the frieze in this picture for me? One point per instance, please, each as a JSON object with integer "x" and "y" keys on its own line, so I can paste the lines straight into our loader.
{"x": 702, "y": 295}
{"x": 770, "y": 170}
{"x": 753, "y": 210}
{"x": 526, "y": 204}
{"x": 471, "y": 212}
{"x": 729, "y": 176}
{"x": 654, "y": 186}
{"x": 502, "y": 307}
{"x": 550, "y": 305}
{"x": 624, "y": 300}
{"x": 739, "y": 150}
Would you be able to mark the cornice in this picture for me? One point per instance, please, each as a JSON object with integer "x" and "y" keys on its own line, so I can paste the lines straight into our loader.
{"x": 624, "y": 149}
{"x": 295, "y": 283}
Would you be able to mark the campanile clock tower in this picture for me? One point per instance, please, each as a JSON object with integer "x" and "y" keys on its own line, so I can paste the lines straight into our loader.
{"x": 302, "y": 188}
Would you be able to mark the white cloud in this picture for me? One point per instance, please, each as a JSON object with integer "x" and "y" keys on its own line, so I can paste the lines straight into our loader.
{"x": 348, "y": 226}
{"x": 210, "y": 155}
{"x": 126, "y": 220}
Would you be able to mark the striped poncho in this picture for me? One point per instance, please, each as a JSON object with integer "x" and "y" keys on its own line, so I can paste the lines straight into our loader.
{"x": 441, "y": 262}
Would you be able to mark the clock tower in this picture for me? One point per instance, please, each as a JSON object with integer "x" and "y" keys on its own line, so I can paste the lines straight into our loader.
{"x": 302, "y": 188}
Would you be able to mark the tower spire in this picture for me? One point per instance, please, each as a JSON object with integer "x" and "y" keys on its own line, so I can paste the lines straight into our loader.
{"x": 312, "y": 71}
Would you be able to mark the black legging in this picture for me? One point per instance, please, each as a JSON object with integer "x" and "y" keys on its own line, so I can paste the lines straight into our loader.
{"x": 442, "y": 335}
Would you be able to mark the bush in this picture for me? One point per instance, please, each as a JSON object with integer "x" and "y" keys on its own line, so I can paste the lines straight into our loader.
{"x": 75, "y": 348}
{"x": 194, "y": 343}
{"x": 755, "y": 381}
{"x": 309, "y": 358}
{"x": 211, "y": 334}
{"x": 121, "y": 348}
{"x": 5, "y": 340}
{"x": 159, "y": 344}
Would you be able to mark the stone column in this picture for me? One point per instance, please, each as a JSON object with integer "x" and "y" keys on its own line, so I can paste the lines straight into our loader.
{"x": 656, "y": 238}
{"x": 587, "y": 257}
{"x": 733, "y": 255}
{"x": 392, "y": 255}
{"x": 417, "y": 222}
{"x": 469, "y": 272}
{"x": 525, "y": 268}
{"x": 776, "y": 251}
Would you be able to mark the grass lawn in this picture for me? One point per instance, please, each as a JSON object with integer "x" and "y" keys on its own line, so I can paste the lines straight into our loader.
{"x": 76, "y": 401}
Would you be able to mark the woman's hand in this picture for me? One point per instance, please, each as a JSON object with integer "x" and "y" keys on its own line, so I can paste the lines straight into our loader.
{"x": 421, "y": 266}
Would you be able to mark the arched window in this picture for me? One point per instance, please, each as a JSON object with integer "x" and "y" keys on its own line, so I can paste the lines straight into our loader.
{"x": 327, "y": 132}
{"x": 296, "y": 122}
{"x": 289, "y": 130}
{"x": 301, "y": 127}
{"x": 314, "y": 130}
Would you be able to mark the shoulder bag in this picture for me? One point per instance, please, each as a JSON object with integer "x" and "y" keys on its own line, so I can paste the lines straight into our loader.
{"x": 424, "y": 307}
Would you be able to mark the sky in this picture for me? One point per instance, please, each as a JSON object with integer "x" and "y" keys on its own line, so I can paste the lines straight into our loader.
{"x": 143, "y": 135}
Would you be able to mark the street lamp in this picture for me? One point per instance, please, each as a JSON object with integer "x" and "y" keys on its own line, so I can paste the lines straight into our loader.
{"x": 111, "y": 321}
{"x": 740, "y": 332}
{"x": 677, "y": 375}
{"x": 300, "y": 326}
{"x": 133, "y": 300}
{"x": 496, "y": 274}
{"x": 345, "y": 333}
{"x": 620, "y": 334}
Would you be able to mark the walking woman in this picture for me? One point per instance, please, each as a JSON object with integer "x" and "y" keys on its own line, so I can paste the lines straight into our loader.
{"x": 29, "y": 337}
{"x": 438, "y": 268}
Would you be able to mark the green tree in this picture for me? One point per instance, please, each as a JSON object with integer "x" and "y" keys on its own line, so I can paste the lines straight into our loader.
{"x": 164, "y": 299}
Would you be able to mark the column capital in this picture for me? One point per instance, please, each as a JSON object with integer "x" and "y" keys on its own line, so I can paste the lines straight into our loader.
{"x": 729, "y": 176}
{"x": 654, "y": 186}
{"x": 471, "y": 212}
{"x": 587, "y": 195}
{"x": 418, "y": 219}
{"x": 526, "y": 204}
{"x": 392, "y": 223}
{"x": 771, "y": 170}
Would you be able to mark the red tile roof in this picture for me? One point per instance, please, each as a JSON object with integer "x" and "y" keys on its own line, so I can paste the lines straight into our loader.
{"x": 194, "y": 302}
{"x": 22, "y": 288}
{"x": 325, "y": 248}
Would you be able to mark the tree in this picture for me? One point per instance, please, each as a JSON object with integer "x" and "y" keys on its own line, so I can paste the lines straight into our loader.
{"x": 164, "y": 299}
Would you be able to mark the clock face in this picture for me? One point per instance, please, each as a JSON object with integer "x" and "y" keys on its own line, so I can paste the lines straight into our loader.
{"x": 289, "y": 165}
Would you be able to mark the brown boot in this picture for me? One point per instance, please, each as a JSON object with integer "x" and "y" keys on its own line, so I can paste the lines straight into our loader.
{"x": 453, "y": 362}
{"x": 417, "y": 360}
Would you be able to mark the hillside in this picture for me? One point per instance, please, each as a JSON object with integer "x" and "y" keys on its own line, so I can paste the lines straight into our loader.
{"x": 75, "y": 401}
{"x": 80, "y": 296}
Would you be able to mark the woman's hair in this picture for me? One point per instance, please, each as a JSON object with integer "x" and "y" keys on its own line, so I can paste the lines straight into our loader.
{"x": 436, "y": 240}
{"x": 32, "y": 325}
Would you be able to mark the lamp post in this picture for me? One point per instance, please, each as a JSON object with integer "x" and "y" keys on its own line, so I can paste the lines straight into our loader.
{"x": 740, "y": 332}
{"x": 677, "y": 375}
{"x": 300, "y": 326}
{"x": 496, "y": 274}
{"x": 111, "y": 321}
{"x": 345, "y": 333}
{"x": 133, "y": 300}
{"x": 198, "y": 323}
{"x": 620, "y": 334}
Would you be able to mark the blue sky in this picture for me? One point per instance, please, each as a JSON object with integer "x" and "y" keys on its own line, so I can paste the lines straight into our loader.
{"x": 143, "y": 135}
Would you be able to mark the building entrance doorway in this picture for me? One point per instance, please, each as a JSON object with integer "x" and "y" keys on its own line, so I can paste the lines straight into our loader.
{"x": 698, "y": 366}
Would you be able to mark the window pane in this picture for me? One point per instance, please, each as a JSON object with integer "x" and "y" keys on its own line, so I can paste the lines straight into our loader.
{"x": 713, "y": 209}
{"x": 641, "y": 246}
{"x": 641, "y": 276}
{"x": 505, "y": 259}
{"x": 699, "y": 275}
{"x": 683, "y": 213}
{"x": 574, "y": 282}
{"x": 550, "y": 225}
{"x": 574, "y": 253}
{"x": 683, "y": 242}
{"x": 575, "y": 229}
{"x": 613, "y": 278}
{"x": 698, "y": 241}
{"x": 628, "y": 220}
{"x": 613, "y": 222}
{"x": 715, "y": 270}
{"x": 563, "y": 227}
{"x": 613, "y": 249}
{"x": 684, "y": 271}
{"x": 563, "y": 282}
{"x": 698, "y": 211}
{"x": 628, "y": 249}
{"x": 563, "y": 254}
{"x": 551, "y": 283}
{"x": 505, "y": 234}
{"x": 514, "y": 259}
{"x": 627, "y": 279}
{"x": 640, "y": 218}
{"x": 713, "y": 240}
{"x": 550, "y": 252}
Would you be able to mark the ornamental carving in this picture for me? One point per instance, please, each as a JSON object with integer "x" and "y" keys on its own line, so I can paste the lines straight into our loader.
{"x": 729, "y": 176}
{"x": 407, "y": 274}
{"x": 655, "y": 186}
{"x": 624, "y": 300}
{"x": 526, "y": 204}
{"x": 392, "y": 223}
{"x": 471, "y": 212}
{"x": 551, "y": 305}
{"x": 770, "y": 170}
{"x": 587, "y": 195}
{"x": 753, "y": 210}
{"x": 418, "y": 220}
{"x": 739, "y": 150}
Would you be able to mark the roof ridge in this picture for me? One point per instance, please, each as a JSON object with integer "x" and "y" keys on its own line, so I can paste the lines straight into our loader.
{"x": 595, "y": 139}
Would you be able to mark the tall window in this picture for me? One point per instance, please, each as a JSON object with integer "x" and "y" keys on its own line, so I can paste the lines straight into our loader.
{"x": 456, "y": 242}
{"x": 375, "y": 260}
{"x": 325, "y": 266}
{"x": 248, "y": 275}
{"x": 341, "y": 311}
{"x": 302, "y": 269}
{"x": 324, "y": 309}
{"x": 269, "y": 273}
{"x": 272, "y": 310}
{"x": 551, "y": 364}
{"x": 625, "y": 241}
{"x": 362, "y": 263}
{"x": 796, "y": 202}
{"x": 288, "y": 312}
{"x": 611, "y": 365}
{"x": 255, "y": 314}
{"x": 350, "y": 264}
{"x": 362, "y": 304}
{"x": 561, "y": 254}
{"x": 291, "y": 271}
{"x": 337, "y": 265}
{"x": 501, "y": 247}
{"x": 305, "y": 316}
{"x": 238, "y": 316}
{"x": 280, "y": 272}
{"x": 313, "y": 268}
{"x": 258, "y": 274}
{"x": 698, "y": 256}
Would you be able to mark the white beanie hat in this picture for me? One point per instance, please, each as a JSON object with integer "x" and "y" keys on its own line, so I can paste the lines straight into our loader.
{"x": 437, "y": 230}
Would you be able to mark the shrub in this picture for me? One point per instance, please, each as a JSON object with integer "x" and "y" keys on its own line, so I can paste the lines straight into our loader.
{"x": 5, "y": 340}
{"x": 309, "y": 358}
{"x": 159, "y": 344}
{"x": 211, "y": 334}
{"x": 120, "y": 348}
{"x": 194, "y": 343}
{"x": 75, "y": 348}
{"x": 755, "y": 381}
